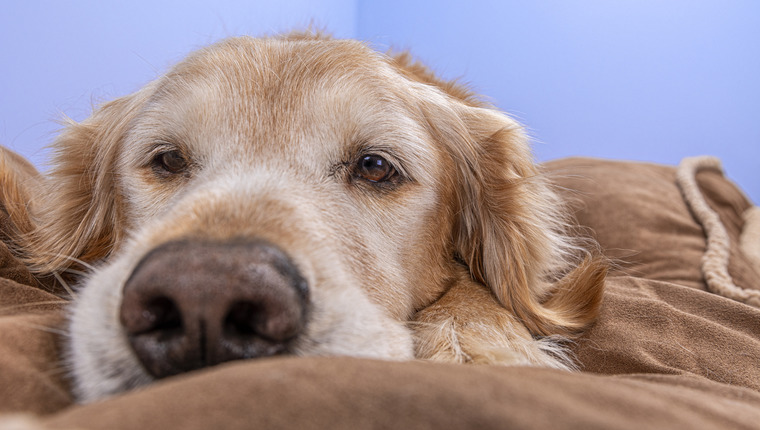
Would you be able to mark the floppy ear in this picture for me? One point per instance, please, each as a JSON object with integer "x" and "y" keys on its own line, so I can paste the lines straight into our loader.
{"x": 509, "y": 227}
{"x": 18, "y": 182}
{"x": 79, "y": 212}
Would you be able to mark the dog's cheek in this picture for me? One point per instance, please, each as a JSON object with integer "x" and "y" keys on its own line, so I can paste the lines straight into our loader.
{"x": 98, "y": 353}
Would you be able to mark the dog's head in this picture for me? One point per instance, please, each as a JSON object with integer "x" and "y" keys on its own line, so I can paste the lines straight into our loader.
{"x": 291, "y": 195}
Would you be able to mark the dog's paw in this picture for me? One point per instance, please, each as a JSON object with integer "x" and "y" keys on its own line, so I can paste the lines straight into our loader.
{"x": 467, "y": 325}
{"x": 448, "y": 340}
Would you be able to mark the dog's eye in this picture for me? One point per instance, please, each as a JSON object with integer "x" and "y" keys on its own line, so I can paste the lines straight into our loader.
{"x": 171, "y": 161}
{"x": 375, "y": 168}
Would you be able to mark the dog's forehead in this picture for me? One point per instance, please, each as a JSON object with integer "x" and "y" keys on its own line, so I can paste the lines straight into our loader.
{"x": 264, "y": 90}
{"x": 266, "y": 55}
{"x": 275, "y": 76}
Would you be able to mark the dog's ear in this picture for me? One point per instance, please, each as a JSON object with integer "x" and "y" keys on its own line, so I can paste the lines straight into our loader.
{"x": 18, "y": 181}
{"x": 509, "y": 226}
{"x": 78, "y": 216}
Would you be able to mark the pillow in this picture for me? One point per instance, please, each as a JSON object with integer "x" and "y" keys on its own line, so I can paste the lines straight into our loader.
{"x": 637, "y": 213}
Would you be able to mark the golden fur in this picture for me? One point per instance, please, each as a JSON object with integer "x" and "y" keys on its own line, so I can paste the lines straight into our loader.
{"x": 465, "y": 258}
{"x": 18, "y": 179}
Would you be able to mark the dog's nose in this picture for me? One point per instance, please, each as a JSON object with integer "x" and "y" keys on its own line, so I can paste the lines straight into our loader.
{"x": 190, "y": 304}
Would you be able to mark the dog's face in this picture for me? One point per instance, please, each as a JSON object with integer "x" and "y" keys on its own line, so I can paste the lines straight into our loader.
{"x": 291, "y": 196}
{"x": 313, "y": 151}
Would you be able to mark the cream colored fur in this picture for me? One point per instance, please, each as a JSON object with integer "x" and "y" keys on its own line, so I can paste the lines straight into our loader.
{"x": 463, "y": 257}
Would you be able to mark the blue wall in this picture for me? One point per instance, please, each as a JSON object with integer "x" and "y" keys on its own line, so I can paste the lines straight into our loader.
{"x": 61, "y": 57}
{"x": 629, "y": 79}
{"x": 652, "y": 80}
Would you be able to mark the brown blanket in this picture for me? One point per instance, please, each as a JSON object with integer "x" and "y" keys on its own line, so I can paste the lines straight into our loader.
{"x": 666, "y": 353}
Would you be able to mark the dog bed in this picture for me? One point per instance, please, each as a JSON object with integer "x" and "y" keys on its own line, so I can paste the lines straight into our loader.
{"x": 677, "y": 345}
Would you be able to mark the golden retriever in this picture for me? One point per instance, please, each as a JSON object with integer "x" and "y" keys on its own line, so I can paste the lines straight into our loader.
{"x": 300, "y": 195}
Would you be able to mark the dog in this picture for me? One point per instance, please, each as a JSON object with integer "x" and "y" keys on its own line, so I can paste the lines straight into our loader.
{"x": 307, "y": 196}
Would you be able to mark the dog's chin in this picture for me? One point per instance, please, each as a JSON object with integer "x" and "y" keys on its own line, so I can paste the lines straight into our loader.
{"x": 103, "y": 363}
{"x": 99, "y": 355}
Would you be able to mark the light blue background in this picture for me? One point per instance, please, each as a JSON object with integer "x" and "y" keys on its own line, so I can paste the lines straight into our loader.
{"x": 652, "y": 80}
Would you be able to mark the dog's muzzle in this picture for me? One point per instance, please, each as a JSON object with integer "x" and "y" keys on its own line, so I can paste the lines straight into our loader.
{"x": 194, "y": 303}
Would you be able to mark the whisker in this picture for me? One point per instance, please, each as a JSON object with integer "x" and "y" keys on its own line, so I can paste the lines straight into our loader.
{"x": 47, "y": 329}
{"x": 65, "y": 285}
{"x": 62, "y": 370}
{"x": 76, "y": 272}
{"x": 87, "y": 265}
{"x": 8, "y": 309}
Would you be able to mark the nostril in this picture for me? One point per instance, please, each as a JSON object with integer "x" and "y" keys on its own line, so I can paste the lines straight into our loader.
{"x": 162, "y": 314}
{"x": 243, "y": 318}
{"x": 263, "y": 321}
{"x": 150, "y": 315}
